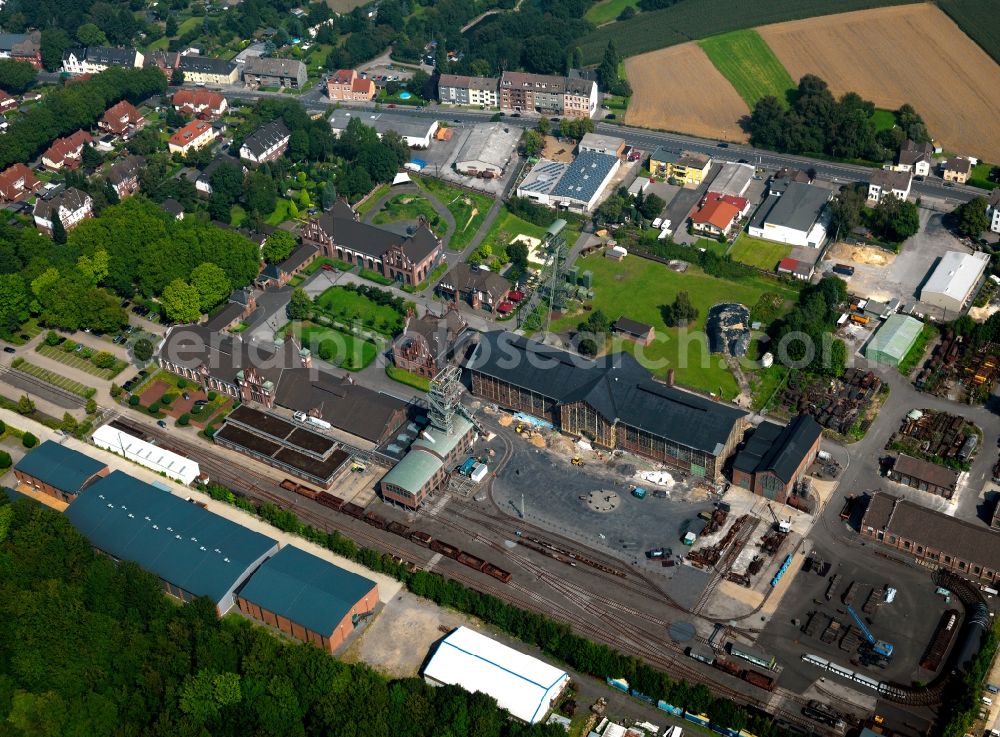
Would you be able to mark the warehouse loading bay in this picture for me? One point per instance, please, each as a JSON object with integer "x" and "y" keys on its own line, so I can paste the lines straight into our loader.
{"x": 595, "y": 505}
{"x": 908, "y": 623}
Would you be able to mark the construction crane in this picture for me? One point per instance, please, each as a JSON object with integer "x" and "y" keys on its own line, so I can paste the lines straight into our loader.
{"x": 881, "y": 647}
{"x": 778, "y": 524}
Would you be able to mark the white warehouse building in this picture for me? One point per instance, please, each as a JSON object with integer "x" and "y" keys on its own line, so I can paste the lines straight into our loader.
{"x": 799, "y": 217}
{"x": 151, "y": 456}
{"x": 954, "y": 280}
{"x": 523, "y": 685}
{"x": 577, "y": 187}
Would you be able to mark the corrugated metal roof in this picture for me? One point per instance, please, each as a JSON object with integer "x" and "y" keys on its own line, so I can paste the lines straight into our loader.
{"x": 180, "y": 542}
{"x": 956, "y": 274}
{"x": 306, "y": 589}
{"x": 520, "y": 683}
{"x": 893, "y": 339}
{"x": 58, "y": 466}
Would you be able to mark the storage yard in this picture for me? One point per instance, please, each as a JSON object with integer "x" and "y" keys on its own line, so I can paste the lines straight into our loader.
{"x": 842, "y": 405}
{"x": 958, "y": 370}
{"x": 937, "y": 437}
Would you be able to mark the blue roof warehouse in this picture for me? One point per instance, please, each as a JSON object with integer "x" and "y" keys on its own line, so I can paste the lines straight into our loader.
{"x": 58, "y": 471}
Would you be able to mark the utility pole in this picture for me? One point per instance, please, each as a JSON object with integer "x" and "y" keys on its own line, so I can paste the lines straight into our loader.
{"x": 522, "y": 505}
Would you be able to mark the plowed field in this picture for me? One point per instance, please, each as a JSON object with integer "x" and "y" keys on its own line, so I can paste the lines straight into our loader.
{"x": 679, "y": 89}
{"x": 909, "y": 53}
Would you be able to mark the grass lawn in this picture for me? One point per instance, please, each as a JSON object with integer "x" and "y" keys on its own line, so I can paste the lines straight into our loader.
{"x": 607, "y": 10}
{"x": 280, "y": 213}
{"x": 980, "y": 176}
{"x": 409, "y": 378}
{"x": 508, "y": 226}
{"x": 237, "y": 215}
{"x": 745, "y": 59}
{"x": 712, "y": 245}
{"x": 159, "y": 44}
{"x": 758, "y": 252}
{"x": 347, "y": 306}
{"x": 884, "y": 119}
{"x": 468, "y": 208}
{"x": 318, "y": 264}
{"x": 410, "y": 207}
{"x": 342, "y": 350}
{"x": 917, "y": 350}
{"x": 78, "y": 362}
{"x": 637, "y": 288}
{"x": 764, "y": 384}
{"x": 375, "y": 196}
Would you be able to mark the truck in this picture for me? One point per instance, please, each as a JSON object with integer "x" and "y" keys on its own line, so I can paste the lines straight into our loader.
{"x": 638, "y": 492}
{"x": 317, "y": 422}
{"x": 860, "y": 319}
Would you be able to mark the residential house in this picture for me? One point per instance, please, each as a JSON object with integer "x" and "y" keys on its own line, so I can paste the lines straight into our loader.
{"x": 193, "y": 136}
{"x": 993, "y": 210}
{"x": 207, "y": 70}
{"x": 17, "y": 182}
{"x": 796, "y": 269}
{"x": 124, "y": 175}
{"x": 173, "y": 208}
{"x": 25, "y": 47}
{"x": 121, "y": 119}
{"x": 267, "y": 143}
{"x": 407, "y": 259}
{"x": 278, "y": 275}
{"x": 201, "y": 103}
{"x": 479, "y": 287}
{"x": 785, "y": 176}
{"x": 165, "y": 61}
{"x": 956, "y": 169}
{"x": 636, "y": 331}
{"x": 884, "y": 181}
{"x": 548, "y": 95}
{"x": 94, "y": 59}
{"x": 267, "y": 72}
{"x": 427, "y": 344}
{"x": 66, "y": 153}
{"x": 687, "y": 168}
{"x": 7, "y": 102}
{"x": 458, "y": 89}
{"x": 915, "y": 157}
{"x": 203, "y": 184}
{"x": 717, "y": 214}
{"x": 345, "y": 84}
{"x": 71, "y": 207}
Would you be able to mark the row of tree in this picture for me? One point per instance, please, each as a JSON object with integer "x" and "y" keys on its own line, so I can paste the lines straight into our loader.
{"x": 813, "y": 121}
{"x": 93, "y": 647}
{"x": 891, "y": 220}
{"x": 74, "y": 106}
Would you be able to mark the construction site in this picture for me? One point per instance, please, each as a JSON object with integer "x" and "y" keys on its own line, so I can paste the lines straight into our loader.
{"x": 958, "y": 370}
{"x": 845, "y": 405}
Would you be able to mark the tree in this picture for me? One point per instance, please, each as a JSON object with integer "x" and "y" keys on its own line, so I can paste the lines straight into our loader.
{"x": 52, "y": 338}
{"x": 650, "y": 206}
{"x": 58, "y": 229}
{"x": 278, "y": 246}
{"x": 596, "y": 323}
{"x": 181, "y": 301}
{"x": 24, "y": 405}
{"x": 971, "y": 218}
{"x": 16, "y": 76}
{"x": 177, "y": 77}
{"x": 261, "y": 194}
{"x": 846, "y": 209}
{"x": 55, "y": 41}
{"x": 69, "y": 423}
{"x": 28, "y": 440}
{"x": 103, "y": 360}
{"x": 627, "y": 12}
{"x": 532, "y": 142}
{"x": 5, "y": 461}
{"x": 211, "y": 283}
{"x": 298, "y": 145}
{"x": 543, "y": 125}
{"x": 681, "y": 312}
{"x": 170, "y": 28}
{"x": 894, "y": 220}
{"x": 90, "y": 35}
{"x": 93, "y": 268}
{"x": 299, "y": 305}
{"x": 14, "y": 301}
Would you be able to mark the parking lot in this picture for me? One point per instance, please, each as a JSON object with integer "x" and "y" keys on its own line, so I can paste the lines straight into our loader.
{"x": 881, "y": 275}
{"x": 908, "y": 623}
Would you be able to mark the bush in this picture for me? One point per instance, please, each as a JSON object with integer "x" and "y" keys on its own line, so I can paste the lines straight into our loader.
{"x": 68, "y": 345}
{"x": 133, "y": 401}
{"x": 103, "y": 360}
{"x": 184, "y": 419}
{"x": 212, "y": 396}
{"x": 3, "y": 427}
{"x": 5, "y": 461}
{"x": 154, "y": 408}
{"x": 168, "y": 398}
{"x": 197, "y": 409}
{"x": 52, "y": 338}
{"x": 116, "y": 391}
{"x": 182, "y": 383}
{"x": 28, "y": 440}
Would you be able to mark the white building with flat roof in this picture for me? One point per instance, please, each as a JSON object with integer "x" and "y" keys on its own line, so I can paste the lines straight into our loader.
{"x": 733, "y": 179}
{"x": 153, "y": 457}
{"x": 487, "y": 150}
{"x": 954, "y": 280}
{"x": 523, "y": 685}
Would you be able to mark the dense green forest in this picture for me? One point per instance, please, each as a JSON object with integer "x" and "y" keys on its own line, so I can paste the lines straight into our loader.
{"x": 89, "y": 648}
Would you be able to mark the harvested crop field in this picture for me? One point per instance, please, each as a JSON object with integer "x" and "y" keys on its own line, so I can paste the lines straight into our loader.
{"x": 679, "y": 89}
{"x": 910, "y": 53}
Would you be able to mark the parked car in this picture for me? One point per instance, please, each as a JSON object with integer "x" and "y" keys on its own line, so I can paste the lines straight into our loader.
{"x": 8, "y": 349}
{"x": 186, "y": 396}
{"x": 326, "y": 267}
{"x": 200, "y": 402}
{"x": 161, "y": 423}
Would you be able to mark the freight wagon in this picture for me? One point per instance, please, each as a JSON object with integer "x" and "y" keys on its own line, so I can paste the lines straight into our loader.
{"x": 306, "y": 491}
{"x": 466, "y": 559}
{"x": 421, "y": 538}
{"x": 397, "y": 528}
{"x": 353, "y": 510}
{"x": 759, "y": 680}
{"x": 288, "y": 485}
{"x": 375, "y": 520}
{"x": 498, "y": 573}
{"x": 329, "y": 500}
{"x": 449, "y": 551}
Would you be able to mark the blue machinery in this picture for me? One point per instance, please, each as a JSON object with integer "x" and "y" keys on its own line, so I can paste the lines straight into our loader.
{"x": 879, "y": 646}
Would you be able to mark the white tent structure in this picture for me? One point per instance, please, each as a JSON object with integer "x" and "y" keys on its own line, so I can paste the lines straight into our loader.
{"x": 158, "y": 459}
{"x": 523, "y": 685}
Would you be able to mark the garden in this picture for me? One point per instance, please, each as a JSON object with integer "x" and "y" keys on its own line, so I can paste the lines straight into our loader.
{"x": 374, "y": 308}
{"x": 468, "y": 208}
{"x": 404, "y": 207}
{"x": 163, "y": 395}
{"x": 335, "y": 346}
{"x": 757, "y": 252}
{"x": 640, "y": 289}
